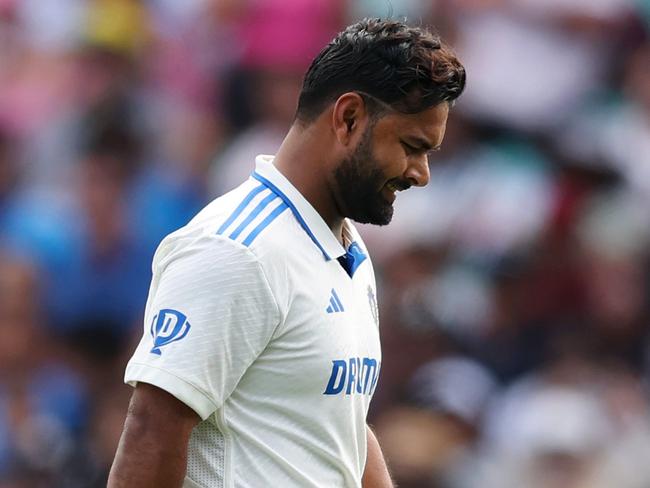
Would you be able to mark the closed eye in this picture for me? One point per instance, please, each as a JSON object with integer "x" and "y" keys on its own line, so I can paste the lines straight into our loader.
{"x": 422, "y": 147}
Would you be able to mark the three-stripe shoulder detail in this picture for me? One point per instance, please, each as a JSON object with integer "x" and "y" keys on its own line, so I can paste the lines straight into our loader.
{"x": 253, "y": 214}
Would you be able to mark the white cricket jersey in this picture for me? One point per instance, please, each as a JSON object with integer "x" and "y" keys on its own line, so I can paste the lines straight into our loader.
{"x": 253, "y": 323}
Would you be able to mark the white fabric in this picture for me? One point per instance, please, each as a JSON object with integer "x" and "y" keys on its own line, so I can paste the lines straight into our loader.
{"x": 280, "y": 377}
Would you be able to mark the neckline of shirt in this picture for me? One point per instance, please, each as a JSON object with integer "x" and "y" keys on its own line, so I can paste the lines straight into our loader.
{"x": 310, "y": 220}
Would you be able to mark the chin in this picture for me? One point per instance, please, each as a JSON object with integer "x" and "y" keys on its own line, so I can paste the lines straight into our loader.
{"x": 376, "y": 216}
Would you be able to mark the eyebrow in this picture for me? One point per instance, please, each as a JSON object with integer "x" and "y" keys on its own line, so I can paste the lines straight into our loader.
{"x": 424, "y": 144}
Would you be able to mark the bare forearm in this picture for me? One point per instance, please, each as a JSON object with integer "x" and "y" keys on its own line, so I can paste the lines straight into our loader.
{"x": 376, "y": 473}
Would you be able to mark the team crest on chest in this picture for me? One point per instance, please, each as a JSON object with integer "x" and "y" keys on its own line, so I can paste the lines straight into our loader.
{"x": 372, "y": 301}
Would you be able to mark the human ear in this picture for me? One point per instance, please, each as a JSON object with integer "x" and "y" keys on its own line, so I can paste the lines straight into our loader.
{"x": 347, "y": 115}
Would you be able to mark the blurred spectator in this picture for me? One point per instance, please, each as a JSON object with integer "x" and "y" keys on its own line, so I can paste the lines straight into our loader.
{"x": 615, "y": 130}
{"x": 557, "y": 429}
{"x": 514, "y": 289}
{"x": 122, "y": 212}
{"x": 535, "y": 62}
{"x": 43, "y": 400}
{"x": 280, "y": 39}
{"x": 440, "y": 424}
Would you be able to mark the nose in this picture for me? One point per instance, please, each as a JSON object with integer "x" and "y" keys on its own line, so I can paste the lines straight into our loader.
{"x": 417, "y": 171}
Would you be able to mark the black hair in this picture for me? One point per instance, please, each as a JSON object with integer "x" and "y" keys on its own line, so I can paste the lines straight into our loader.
{"x": 406, "y": 67}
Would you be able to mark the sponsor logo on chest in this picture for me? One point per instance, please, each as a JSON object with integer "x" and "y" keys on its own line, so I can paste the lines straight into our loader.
{"x": 353, "y": 376}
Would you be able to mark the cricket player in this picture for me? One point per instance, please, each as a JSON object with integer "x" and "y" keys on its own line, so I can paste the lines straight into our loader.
{"x": 260, "y": 351}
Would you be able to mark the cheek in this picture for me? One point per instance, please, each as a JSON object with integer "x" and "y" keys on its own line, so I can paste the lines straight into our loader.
{"x": 383, "y": 153}
{"x": 391, "y": 160}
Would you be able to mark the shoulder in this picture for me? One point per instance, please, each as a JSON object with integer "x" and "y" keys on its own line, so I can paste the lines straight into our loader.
{"x": 195, "y": 267}
{"x": 247, "y": 231}
{"x": 255, "y": 218}
{"x": 211, "y": 239}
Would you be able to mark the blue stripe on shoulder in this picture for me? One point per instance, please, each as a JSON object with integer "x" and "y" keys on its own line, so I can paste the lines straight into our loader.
{"x": 240, "y": 208}
{"x": 255, "y": 212}
{"x": 286, "y": 200}
{"x": 264, "y": 223}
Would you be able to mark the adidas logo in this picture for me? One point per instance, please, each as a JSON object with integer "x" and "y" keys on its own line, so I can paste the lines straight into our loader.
{"x": 335, "y": 303}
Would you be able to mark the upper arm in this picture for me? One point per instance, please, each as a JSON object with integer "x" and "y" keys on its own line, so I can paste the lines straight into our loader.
{"x": 153, "y": 447}
{"x": 156, "y": 413}
{"x": 209, "y": 314}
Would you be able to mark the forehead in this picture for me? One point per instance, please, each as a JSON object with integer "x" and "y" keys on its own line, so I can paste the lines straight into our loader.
{"x": 429, "y": 124}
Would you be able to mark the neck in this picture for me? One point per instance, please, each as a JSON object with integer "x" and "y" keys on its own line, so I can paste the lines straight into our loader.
{"x": 302, "y": 160}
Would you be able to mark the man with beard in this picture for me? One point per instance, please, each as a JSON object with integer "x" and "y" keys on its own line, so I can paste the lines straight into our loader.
{"x": 260, "y": 351}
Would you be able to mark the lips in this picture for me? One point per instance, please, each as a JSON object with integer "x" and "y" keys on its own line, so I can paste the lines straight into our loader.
{"x": 392, "y": 187}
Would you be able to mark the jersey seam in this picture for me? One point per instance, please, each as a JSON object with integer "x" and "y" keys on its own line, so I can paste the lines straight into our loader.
{"x": 187, "y": 382}
{"x": 222, "y": 424}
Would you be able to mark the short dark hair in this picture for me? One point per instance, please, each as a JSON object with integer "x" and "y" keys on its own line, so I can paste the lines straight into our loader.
{"x": 408, "y": 68}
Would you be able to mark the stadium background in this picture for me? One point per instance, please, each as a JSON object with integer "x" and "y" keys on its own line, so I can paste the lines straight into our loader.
{"x": 514, "y": 289}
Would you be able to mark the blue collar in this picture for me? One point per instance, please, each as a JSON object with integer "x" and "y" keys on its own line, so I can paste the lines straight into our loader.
{"x": 352, "y": 258}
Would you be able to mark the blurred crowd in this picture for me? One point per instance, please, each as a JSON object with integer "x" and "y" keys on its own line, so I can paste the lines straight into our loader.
{"x": 514, "y": 289}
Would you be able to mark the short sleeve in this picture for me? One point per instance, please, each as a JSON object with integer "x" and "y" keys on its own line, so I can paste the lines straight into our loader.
{"x": 209, "y": 314}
